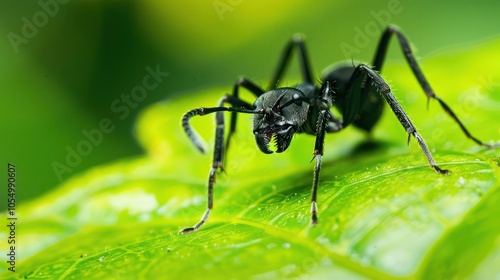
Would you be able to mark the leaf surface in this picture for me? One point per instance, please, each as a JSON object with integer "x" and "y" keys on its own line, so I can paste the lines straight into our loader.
{"x": 383, "y": 212}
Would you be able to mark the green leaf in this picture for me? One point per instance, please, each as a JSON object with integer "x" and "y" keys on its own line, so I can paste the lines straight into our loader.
{"x": 383, "y": 212}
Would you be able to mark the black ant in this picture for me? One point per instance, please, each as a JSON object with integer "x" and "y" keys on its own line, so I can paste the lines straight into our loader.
{"x": 358, "y": 92}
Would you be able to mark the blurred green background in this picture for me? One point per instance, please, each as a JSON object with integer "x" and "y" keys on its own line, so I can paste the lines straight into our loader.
{"x": 65, "y": 63}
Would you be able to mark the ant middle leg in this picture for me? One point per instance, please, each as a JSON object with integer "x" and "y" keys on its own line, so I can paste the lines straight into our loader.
{"x": 239, "y": 106}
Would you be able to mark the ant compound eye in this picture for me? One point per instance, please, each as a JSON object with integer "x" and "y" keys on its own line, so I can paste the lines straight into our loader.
{"x": 256, "y": 103}
{"x": 295, "y": 96}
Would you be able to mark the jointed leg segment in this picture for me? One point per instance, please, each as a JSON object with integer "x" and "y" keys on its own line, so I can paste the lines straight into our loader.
{"x": 239, "y": 106}
{"x": 355, "y": 91}
{"x": 296, "y": 42}
{"x": 378, "y": 62}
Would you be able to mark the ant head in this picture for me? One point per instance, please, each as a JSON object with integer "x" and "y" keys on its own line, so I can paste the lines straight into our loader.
{"x": 279, "y": 117}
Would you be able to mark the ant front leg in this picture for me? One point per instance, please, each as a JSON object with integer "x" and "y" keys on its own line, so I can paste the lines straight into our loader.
{"x": 325, "y": 123}
{"x": 364, "y": 77}
{"x": 217, "y": 162}
{"x": 317, "y": 154}
{"x": 378, "y": 62}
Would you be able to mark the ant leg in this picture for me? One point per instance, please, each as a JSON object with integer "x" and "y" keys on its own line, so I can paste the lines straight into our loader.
{"x": 218, "y": 147}
{"x": 296, "y": 42}
{"x": 378, "y": 62}
{"x": 355, "y": 90}
{"x": 326, "y": 123}
{"x": 321, "y": 127}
